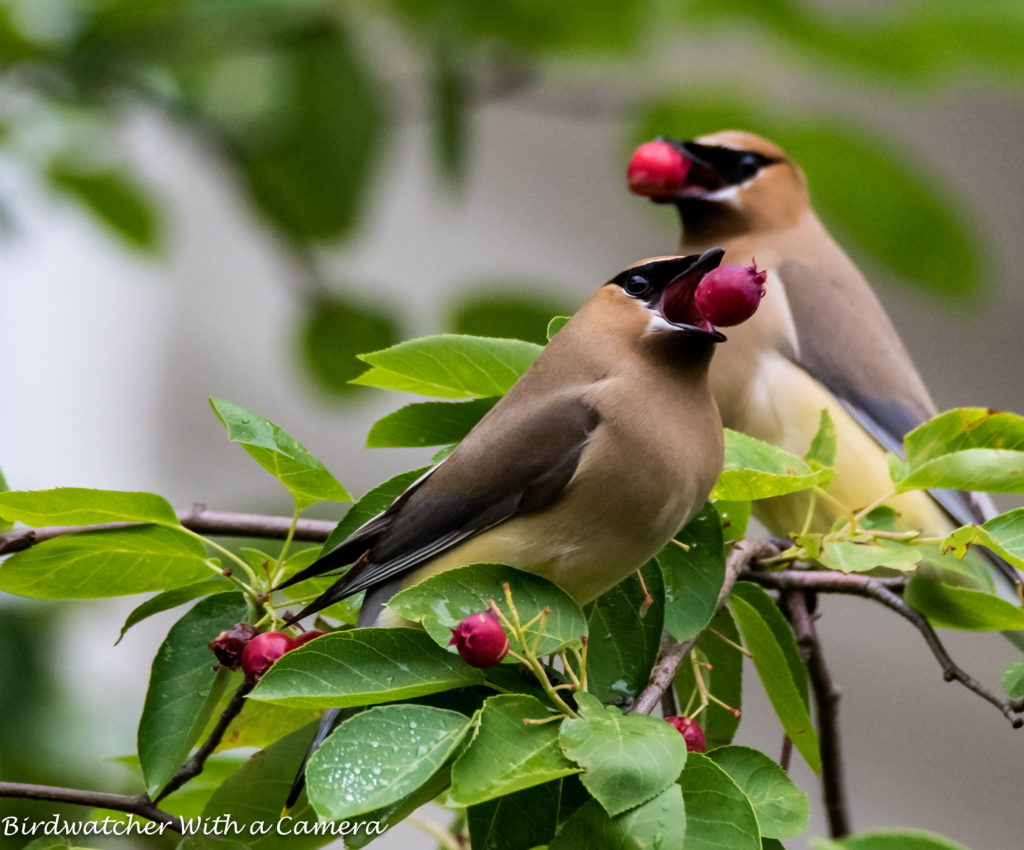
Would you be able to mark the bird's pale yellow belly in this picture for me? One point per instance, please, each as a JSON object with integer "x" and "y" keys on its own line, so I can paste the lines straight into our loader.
{"x": 783, "y": 408}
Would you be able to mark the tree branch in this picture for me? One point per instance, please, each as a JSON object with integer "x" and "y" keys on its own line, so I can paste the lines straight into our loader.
{"x": 194, "y": 766}
{"x": 198, "y": 518}
{"x": 739, "y": 558}
{"x": 140, "y": 805}
{"x": 880, "y": 590}
{"x": 826, "y": 698}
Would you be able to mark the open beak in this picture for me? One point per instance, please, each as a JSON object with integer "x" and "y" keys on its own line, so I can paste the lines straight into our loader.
{"x": 677, "y": 303}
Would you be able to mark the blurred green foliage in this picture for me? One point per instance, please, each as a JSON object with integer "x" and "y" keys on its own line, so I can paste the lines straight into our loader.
{"x": 298, "y": 99}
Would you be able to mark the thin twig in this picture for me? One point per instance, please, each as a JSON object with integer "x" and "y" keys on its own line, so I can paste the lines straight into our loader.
{"x": 194, "y": 766}
{"x": 879, "y": 590}
{"x": 826, "y": 699}
{"x": 141, "y": 805}
{"x": 198, "y": 518}
{"x": 739, "y": 558}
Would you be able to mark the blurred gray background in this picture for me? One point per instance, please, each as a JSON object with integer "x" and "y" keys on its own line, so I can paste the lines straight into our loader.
{"x": 109, "y": 353}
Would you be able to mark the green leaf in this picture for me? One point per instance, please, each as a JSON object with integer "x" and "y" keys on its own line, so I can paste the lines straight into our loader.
{"x": 769, "y": 612}
{"x": 450, "y": 366}
{"x": 443, "y": 601}
{"x": 427, "y": 423}
{"x": 1003, "y": 534}
{"x": 512, "y": 311}
{"x": 252, "y": 796}
{"x": 556, "y": 324}
{"x": 172, "y": 599}
{"x": 363, "y": 667}
{"x": 718, "y": 814}
{"x": 780, "y": 807}
{"x": 308, "y": 163}
{"x": 851, "y": 556}
{"x": 724, "y": 680}
{"x": 1013, "y": 680}
{"x": 627, "y": 759}
{"x": 367, "y": 827}
{"x": 335, "y": 332}
{"x": 949, "y": 607}
{"x": 693, "y": 576}
{"x": 118, "y": 201}
{"x": 757, "y": 470}
{"x": 967, "y": 448}
{"x": 773, "y": 659}
{"x": 659, "y": 823}
{"x": 81, "y": 506}
{"x": 823, "y": 445}
{"x": 280, "y": 454}
{"x": 95, "y": 564}
{"x": 260, "y": 724}
{"x": 183, "y": 687}
{"x": 190, "y": 800}
{"x": 622, "y": 645}
{"x": 734, "y": 516}
{"x": 377, "y": 757}
{"x": 518, "y": 821}
{"x": 505, "y": 754}
{"x": 902, "y": 840}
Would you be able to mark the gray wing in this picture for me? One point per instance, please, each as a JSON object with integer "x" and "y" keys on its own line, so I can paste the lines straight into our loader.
{"x": 511, "y": 463}
{"x": 864, "y": 365}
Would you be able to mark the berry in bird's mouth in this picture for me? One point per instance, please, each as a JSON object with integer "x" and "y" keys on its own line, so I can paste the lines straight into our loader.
{"x": 678, "y": 304}
{"x": 657, "y": 169}
{"x": 480, "y": 639}
{"x": 730, "y": 295}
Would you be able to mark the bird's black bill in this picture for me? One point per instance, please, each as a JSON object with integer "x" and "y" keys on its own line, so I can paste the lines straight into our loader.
{"x": 677, "y": 302}
{"x": 713, "y": 168}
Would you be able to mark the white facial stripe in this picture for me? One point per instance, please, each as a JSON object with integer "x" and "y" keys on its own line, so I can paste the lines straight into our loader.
{"x": 728, "y": 194}
{"x": 659, "y": 323}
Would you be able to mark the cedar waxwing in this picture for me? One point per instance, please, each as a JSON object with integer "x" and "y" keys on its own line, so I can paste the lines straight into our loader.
{"x": 821, "y": 340}
{"x": 593, "y": 460}
{"x": 604, "y": 449}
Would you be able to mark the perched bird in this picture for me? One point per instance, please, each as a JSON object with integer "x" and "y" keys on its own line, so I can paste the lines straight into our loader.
{"x": 822, "y": 339}
{"x": 600, "y": 453}
{"x": 590, "y": 463}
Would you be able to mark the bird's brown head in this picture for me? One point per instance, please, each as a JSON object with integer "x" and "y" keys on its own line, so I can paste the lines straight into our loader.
{"x": 664, "y": 289}
{"x": 725, "y": 181}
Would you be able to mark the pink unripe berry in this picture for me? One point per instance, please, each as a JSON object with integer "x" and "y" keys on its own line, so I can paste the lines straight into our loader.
{"x": 691, "y": 732}
{"x": 480, "y": 639}
{"x": 228, "y": 645}
{"x": 306, "y": 637}
{"x": 262, "y": 651}
{"x": 729, "y": 295}
{"x": 656, "y": 170}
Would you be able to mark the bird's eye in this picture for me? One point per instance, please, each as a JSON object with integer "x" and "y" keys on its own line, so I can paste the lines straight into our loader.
{"x": 747, "y": 166}
{"x": 637, "y": 285}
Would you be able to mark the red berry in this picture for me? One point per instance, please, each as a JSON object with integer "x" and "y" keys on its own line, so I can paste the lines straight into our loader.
{"x": 480, "y": 639}
{"x": 262, "y": 651}
{"x": 657, "y": 170}
{"x": 729, "y": 295}
{"x": 306, "y": 637}
{"x": 228, "y": 645}
{"x": 691, "y": 732}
